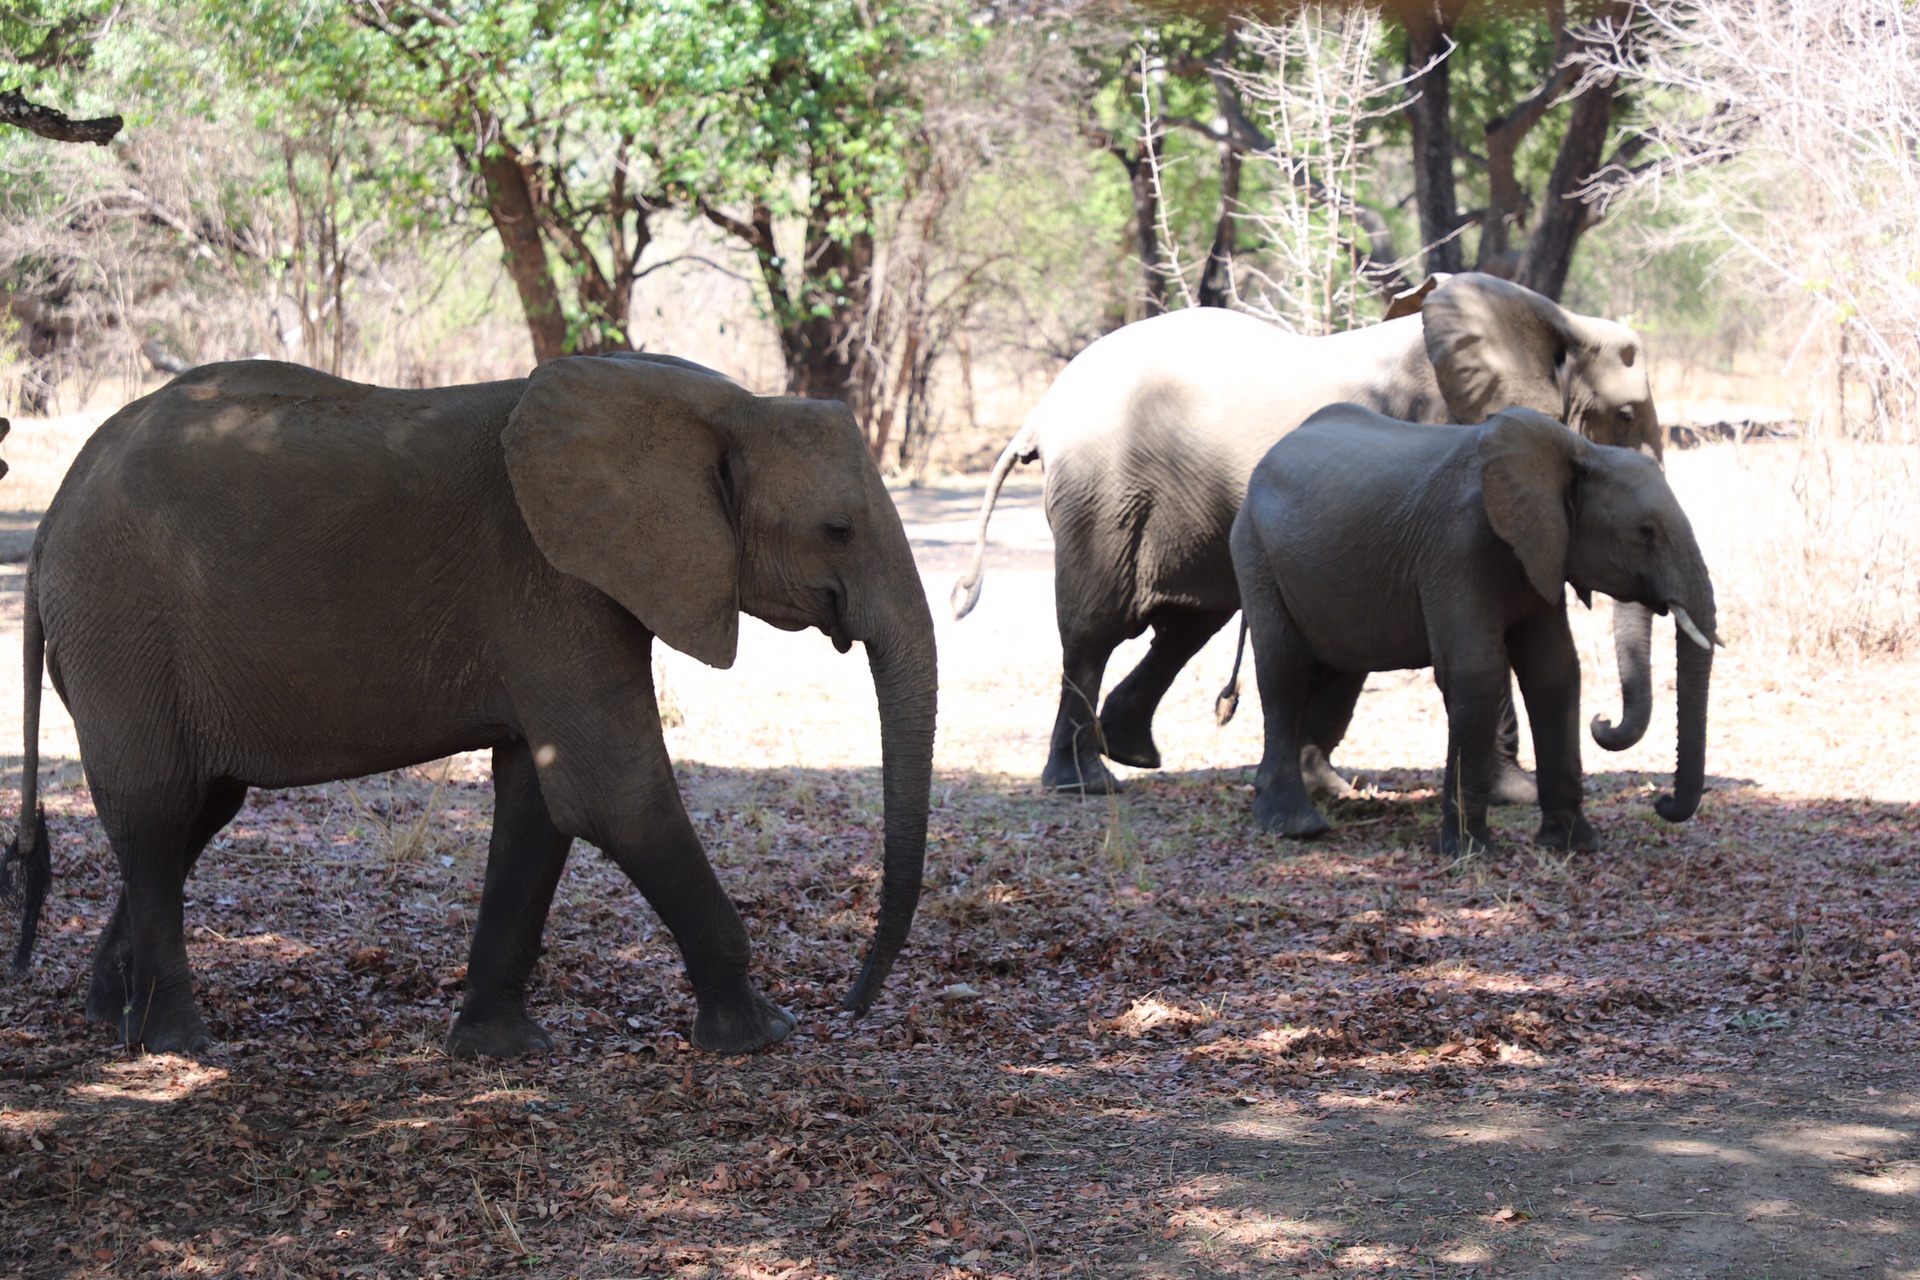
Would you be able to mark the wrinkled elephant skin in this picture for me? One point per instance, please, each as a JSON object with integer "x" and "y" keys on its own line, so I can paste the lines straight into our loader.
{"x": 1148, "y": 437}
{"x": 263, "y": 576}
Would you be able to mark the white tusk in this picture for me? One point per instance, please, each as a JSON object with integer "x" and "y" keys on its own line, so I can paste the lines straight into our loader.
{"x": 1685, "y": 623}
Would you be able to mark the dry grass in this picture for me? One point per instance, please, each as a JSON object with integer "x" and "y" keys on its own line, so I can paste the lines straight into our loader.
{"x": 1814, "y": 545}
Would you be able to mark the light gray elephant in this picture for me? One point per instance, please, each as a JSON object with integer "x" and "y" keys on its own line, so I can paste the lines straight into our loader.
{"x": 1368, "y": 544}
{"x": 263, "y": 576}
{"x": 1148, "y": 437}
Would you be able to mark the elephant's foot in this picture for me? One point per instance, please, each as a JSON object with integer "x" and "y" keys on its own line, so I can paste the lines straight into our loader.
{"x": 1475, "y": 842}
{"x": 1295, "y": 816}
{"x": 1129, "y": 738}
{"x": 152, "y": 1021}
{"x": 509, "y": 1035}
{"x": 1568, "y": 833}
{"x": 110, "y": 994}
{"x": 1321, "y": 777}
{"x": 176, "y": 1029}
{"x": 1512, "y": 784}
{"x": 741, "y": 1026}
{"x": 1080, "y": 777}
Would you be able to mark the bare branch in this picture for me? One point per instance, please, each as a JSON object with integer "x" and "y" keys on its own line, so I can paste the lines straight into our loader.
{"x": 54, "y": 125}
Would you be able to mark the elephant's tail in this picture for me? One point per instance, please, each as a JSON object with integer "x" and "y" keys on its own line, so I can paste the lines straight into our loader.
{"x": 26, "y": 865}
{"x": 1024, "y": 447}
{"x": 1229, "y": 700}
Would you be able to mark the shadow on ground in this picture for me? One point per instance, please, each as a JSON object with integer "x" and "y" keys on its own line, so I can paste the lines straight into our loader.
{"x": 1130, "y": 1037}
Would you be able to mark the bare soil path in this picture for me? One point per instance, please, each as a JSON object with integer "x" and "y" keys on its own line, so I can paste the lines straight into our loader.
{"x": 1129, "y": 1038}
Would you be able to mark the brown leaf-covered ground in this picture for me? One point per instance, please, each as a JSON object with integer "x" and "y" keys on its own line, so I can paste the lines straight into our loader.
{"x": 1129, "y": 1038}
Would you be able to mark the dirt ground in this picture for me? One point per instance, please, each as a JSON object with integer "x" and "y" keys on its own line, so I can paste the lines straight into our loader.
{"x": 1129, "y": 1038}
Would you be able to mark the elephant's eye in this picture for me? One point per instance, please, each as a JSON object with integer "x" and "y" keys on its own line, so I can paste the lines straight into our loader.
{"x": 1625, "y": 413}
{"x": 839, "y": 529}
{"x": 1647, "y": 532}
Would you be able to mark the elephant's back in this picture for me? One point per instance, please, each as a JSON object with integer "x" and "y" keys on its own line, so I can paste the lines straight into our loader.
{"x": 239, "y": 439}
{"x": 1149, "y": 436}
{"x": 235, "y": 533}
{"x": 1344, "y": 517}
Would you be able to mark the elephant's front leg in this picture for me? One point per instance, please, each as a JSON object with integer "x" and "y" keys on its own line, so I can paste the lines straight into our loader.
{"x": 666, "y": 863}
{"x": 1548, "y": 666}
{"x": 1472, "y": 689}
{"x": 524, "y": 860}
{"x": 604, "y": 774}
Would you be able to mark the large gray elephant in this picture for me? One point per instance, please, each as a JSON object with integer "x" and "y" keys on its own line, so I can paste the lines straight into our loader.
{"x": 1369, "y": 544}
{"x": 263, "y": 576}
{"x": 1149, "y": 435}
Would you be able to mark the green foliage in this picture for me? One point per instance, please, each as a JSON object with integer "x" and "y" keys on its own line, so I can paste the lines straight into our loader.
{"x": 45, "y": 41}
{"x": 804, "y": 108}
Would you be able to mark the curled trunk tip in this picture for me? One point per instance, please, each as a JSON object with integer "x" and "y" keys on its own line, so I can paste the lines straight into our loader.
{"x": 1632, "y": 647}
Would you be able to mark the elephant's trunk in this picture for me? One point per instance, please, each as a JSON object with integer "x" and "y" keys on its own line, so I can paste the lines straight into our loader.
{"x": 1632, "y": 649}
{"x": 900, "y": 652}
{"x": 1695, "y": 668}
{"x": 1694, "y": 638}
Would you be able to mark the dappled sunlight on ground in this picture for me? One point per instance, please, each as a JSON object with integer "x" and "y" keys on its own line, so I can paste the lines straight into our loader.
{"x": 1129, "y": 1037}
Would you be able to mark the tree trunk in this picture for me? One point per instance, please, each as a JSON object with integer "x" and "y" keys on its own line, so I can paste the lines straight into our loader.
{"x": 819, "y": 338}
{"x": 1430, "y": 113}
{"x": 511, "y": 205}
{"x": 1507, "y": 202}
{"x": 1146, "y": 228}
{"x": 1216, "y": 282}
{"x": 1564, "y": 217}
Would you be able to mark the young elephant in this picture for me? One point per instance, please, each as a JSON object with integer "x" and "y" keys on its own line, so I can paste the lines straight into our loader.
{"x": 263, "y": 576}
{"x": 1368, "y": 544}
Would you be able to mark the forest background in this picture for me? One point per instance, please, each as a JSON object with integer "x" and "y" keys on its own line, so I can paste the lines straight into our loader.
{"x": 925, "y": 208}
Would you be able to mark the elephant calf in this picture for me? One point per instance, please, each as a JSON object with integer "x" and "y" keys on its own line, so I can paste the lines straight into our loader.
{"x": 1369, "y": 544}
{"x": 263, "y": 576}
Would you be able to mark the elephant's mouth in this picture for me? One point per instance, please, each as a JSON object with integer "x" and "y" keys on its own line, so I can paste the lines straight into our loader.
{"x": 831, "y": 616}
{"x": 821, "y": 608}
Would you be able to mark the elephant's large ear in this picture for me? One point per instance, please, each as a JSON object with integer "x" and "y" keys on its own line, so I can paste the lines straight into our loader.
{"x": 1527, "y": 467}
{"x": 1408, "y": 302}
{"x": 620, "y": 470}
{"x": 1494, "y": 343}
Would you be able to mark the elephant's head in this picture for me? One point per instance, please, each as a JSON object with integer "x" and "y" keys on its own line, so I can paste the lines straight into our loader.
{"x": 687, "y": 499}
{"x": 1604, "y": 519}
{"x": 1494, "y": 343}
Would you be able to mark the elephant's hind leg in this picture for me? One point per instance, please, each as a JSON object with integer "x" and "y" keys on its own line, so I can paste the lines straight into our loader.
{"x": 109, "y": 993}
{"x": 1329, "y": 712}
{"x": 141, "y": 984}
{"x": 525, "y": 857}
{"x": 1126, "y": 720}
{"x": 1073, "y": 757}
{"x": 1287, "y": 674}
{"x": 1511, "y": 783}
